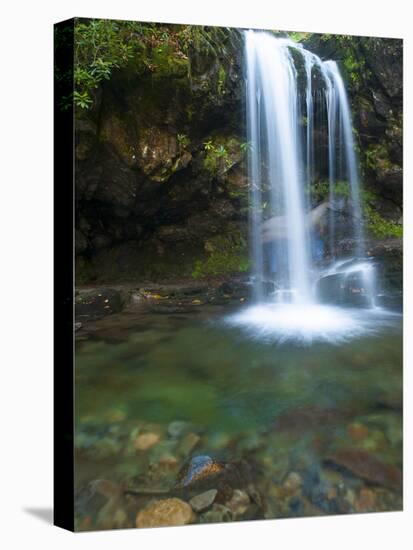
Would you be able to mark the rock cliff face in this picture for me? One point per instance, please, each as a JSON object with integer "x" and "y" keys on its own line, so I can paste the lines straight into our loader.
{"x": 161, "y": 177}
{"x": 160, "y": 186}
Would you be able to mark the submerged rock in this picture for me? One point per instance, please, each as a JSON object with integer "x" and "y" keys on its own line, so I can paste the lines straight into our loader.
{"x": 320, "y": 492}
{"x": 292, "y": 482}
{"x": 201, "y": 502}
{"x": 178, "y": 428}
{"x": 366, "y": 501}
{"x": 296, "y": 507}
{"x": 113, "y": 514}
{"x": 146, "y": 441}
{"x": 364, "y": 465}
{"x": 218, "y": 514}
{"x": 165, "y": 513}
{"x": 199, "y": 471}
{"x": 202, "y": 471}
{"x": 239, "y": 503}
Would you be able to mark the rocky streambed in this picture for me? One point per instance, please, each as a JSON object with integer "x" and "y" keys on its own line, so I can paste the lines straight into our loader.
{"x": 157, "y": 477}
{"x": 181, "y": 419}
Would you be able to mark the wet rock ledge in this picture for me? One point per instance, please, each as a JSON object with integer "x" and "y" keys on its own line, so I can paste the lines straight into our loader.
{"x": 94, "y": 303}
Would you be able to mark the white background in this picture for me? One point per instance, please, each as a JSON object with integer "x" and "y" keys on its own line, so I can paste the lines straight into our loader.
{"x": 26, "y": 272}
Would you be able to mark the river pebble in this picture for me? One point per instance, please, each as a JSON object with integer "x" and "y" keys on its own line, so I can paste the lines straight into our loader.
{"x": 144, "y": 442}
{"x": 218, "y": 513}
{"x": 239, "y": 503}
{"x": 292, "y": 482}
{"x": 366, "y": 501}
{"x": 201, "y": 502}
{"x": 200, "y": 469}
{"x": 165, "y": 513}
{"x": 178, "y": 428}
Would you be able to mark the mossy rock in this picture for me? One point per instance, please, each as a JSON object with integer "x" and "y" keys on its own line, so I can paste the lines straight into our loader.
{"x": 225, "y": 254}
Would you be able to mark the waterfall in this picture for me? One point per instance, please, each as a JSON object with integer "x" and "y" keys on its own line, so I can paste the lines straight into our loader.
{"x": 284, "y": 230}
{"x": 350, "y": 154}
{"x": 273, "y": 132}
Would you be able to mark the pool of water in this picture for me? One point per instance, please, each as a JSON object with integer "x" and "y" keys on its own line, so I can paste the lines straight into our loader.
{"x": 281, "y": 406}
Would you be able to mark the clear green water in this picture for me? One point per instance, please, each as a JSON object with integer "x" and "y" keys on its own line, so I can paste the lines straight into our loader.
{"x": 199, "y": 370}
{"x": 148, "y": 368}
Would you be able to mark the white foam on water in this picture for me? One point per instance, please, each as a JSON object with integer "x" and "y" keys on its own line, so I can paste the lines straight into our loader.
{"x": 306, "y": 324}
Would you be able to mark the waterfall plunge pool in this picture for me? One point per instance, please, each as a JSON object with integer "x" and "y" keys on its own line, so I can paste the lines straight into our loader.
{"x": 284, "y": 408}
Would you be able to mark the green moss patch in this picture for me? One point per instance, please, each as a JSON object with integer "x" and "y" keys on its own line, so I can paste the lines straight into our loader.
{"x": 224, "y": 254}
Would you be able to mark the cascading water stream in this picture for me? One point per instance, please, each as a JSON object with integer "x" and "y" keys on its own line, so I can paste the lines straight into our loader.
{"x": 350, "y": 154}
{"x": 282, "y": 236}
{"x": 285, "y": 232}
{"x": 272, "y": 107}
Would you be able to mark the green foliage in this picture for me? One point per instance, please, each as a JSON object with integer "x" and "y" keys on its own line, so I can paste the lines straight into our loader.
{"x": 223, "y": 153}
{"x": 353, "y": 62}
{"x": 183, "y": 142}
{"x": 82, "y": 99}
{"x": 221, "y": 81}
{"x": 208, "y": 145}
{"x": 379, "y": 226}
{"x": 321, "y": 189}
{"x": 100, "y": 47}
{"x": 227, "y": 253}
{"x": 375, "y": 223}
{"x": 298, "y": 36}
{"x": 216, "y": 158}
{"x": 103, "y": 46}
{"x": 245, "y": 146}
{"x": 352, "y": 66}
{"x": 215, "y": 42}
{"x": 376, "y": 156}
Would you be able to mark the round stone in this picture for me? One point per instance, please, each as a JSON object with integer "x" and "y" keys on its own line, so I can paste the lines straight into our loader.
{"x": 165, "y": 513}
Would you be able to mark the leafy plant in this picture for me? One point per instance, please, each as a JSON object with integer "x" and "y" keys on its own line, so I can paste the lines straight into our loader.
{"x": 103, "y": 46}
{"x": 221, "y": 152}
{"x": 183, "y": 141}
{"x": 245, "y": 146}
{"x": 298, "y": 36}
{"x": 217, "y": 157}
{"x": 82, "y": 99}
